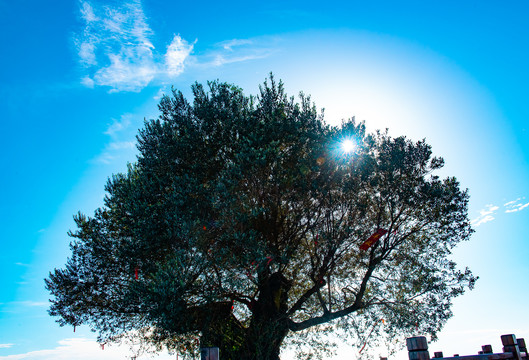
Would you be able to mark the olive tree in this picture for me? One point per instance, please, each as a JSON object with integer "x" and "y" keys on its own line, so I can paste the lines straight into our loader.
{"x": 244, "y": 222}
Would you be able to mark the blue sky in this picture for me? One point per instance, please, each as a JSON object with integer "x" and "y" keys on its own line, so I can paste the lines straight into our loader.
{"x": 77, "y": 79}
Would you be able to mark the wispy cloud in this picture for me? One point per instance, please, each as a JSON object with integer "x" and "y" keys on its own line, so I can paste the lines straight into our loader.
{"x": 21, "y": 306}
{"x": 161, "y": 92}
{"x": 230, "y": 44}
{"x": 28, "y": 303}
{"x": 516, "y": 205}
{"x": 122, "y": 144}
{"x": 118, "y": 125}
{"x": 6, "y": 346}
{"x": 221, "y": 59}
{"x": 116, "y": 50}
{"x": 116, "y": 150}
{"x": 239, "y": 50}
{"x": 485, "y": 215}
{"x": 488, "y": 213}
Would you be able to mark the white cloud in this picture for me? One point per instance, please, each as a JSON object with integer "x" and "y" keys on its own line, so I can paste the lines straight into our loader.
{"x": 516, "y": 205}
{"x": 87, "y": 12}
{"x": 88, "y": 82}
{"x": 485, "y": 215}
{"x": 118, "y": 125}
{"x": 523, "y": 206}
{"x": 34, "y": 303}
{"x": 482, "y": 220}
{"x": 87, "y": 53}
{"x": 230, "y": 44}
{"x": 129, "y": 71}
{"x": 511, "y": 202}
{"x": 117, "y": 150}
{"x": 490, "y": 209}
{"x": 161, "y": 92}
{"x": 223, "y": 59}
{"x": 105, "y": 158}
{"x": 17, "y": 307}
{"x": 116, "y": 50}
{"x": 176, "y": 54}
{"x": 5, "y": 346}
{"x": 239, "y": 50}
{"x": 122, "y": 145}
{"x": 29, "y": 303}
{"x": 517, "y": 208}
{"x": 82, "y": 349}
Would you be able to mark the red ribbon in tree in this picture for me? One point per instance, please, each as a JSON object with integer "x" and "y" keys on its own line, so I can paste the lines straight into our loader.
{"x": 373, "y": 239}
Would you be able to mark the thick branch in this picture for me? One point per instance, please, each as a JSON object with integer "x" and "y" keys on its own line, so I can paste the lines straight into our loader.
{"x": 328, "y": 316}
{"x": 297, "y": 306}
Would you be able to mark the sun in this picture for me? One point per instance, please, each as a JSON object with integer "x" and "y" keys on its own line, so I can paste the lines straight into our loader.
{"x": 348, "y": 146}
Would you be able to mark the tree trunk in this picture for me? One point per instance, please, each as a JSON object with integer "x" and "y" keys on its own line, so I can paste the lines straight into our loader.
{"x": 269, "y": 325}
{"x": 224, "y": 331}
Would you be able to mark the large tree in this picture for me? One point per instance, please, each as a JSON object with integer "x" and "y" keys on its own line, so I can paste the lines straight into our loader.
{"x": 243, "y": 223}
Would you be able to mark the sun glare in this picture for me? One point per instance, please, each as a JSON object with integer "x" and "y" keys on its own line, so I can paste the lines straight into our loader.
{"x": 348, "y": 146}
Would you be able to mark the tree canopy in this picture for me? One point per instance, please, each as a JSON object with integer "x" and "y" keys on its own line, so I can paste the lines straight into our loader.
{"x": 243, "y": 223}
